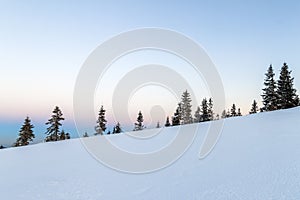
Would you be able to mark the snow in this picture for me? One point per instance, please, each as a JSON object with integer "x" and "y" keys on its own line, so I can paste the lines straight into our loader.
{"x": 256, "y": 157}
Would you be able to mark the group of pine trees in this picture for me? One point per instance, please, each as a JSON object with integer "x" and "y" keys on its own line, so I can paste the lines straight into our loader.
{"x": 101, "y": 124}
{"x": 279, "y": 94}
{"x": 100, "y": 127}
{"x": 183, "y": 113}
{"x": 54, "y": 133}
{"x": 233, "y": 112}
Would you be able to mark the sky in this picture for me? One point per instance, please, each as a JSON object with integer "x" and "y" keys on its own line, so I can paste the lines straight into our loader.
{"x": 43, "y": 46}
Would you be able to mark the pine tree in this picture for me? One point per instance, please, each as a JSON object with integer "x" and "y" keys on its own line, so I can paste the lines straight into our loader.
{"x": 197, "y": 115}
{"x": 228, "y": 114}
{"x": 85, "y": 134}
{"x": 139, "y": 124}
{"x": 210, "y": 111}
{"x": 204, "y": 111}
{"x": 269, "y": 95}
{"x": 217, "y": 117}
{"x": 53, "y": 131}
{"x": 167, "y": 124}
{"x": 177, "y": 118}
{"x": 287, "y": 97}
{"x": 101, "y": 122}
{"x": 297, "y": 101}
{"x": 186, "y": 108}
{"x": 254, "y": 108}
{"x": 62, "y": 135}
{"x": 157, "y": 125}
{"x": 224, "y": 114}
{"x": 2, "y": 147}
{"x": 68, "y": 136}
{"x": 25, "y": 134}
{"x": 117, "y": 128}
{"x": 233, "y": 111}
{"x": 239, "y": 112}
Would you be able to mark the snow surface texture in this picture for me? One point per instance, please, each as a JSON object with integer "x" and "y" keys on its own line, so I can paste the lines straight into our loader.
{"x": 256, "y": 157}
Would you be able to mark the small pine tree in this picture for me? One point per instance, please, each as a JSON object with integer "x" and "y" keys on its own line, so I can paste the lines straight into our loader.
{"x": 269, "y": 96}
{"x": 62, "y": 135}
{"x": 85, "y": 134}
{"x": 197, "y": 115}
{"x": 210, "y": 111}
{"x": 254, "y": 108}
{"x": 204, "y": 110}
{"x": 239, "y": 112}
{"x": 101, "y": 122}
{"x": 186, "y": 108}
{"x": 297, "y": 101}
{"x": 217, "y": 117}
{"x": 157, "y": 125}
{"x": 68, "y": 136}
{"x": 228, "y": 114}
{"x": 53, "y": 131}
{"x": 167, "y": 124}
{"x": 117, "y": 128}
{"x": 224, "y": 114}
{"x": 139, "y": 124}
{"x": 25, "y": 134}
{"x": 233, "y": 111}
{"x": 2, "y": 147}
{"x": 177, "y": 118}
{"x": 287, "y": 97}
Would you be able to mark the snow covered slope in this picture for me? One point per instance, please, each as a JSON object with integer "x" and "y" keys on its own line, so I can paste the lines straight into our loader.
{"x": 257, "y": 157}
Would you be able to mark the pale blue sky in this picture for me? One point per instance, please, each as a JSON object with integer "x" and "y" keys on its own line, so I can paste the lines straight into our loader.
{"x": 44, "y": 43}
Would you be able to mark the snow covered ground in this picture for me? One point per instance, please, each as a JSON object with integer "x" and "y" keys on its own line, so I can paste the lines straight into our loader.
{"x": 256, "y": 157}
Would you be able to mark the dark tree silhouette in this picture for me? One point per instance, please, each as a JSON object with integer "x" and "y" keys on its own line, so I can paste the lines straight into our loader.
{"x": 117, "y": 128}
{"x": 239, "y": 112}
{"x": 62, "y": 135}
{"x": 186, "y": 108}
{"x": 85, "y": 134}
{"x": 287, "y": 97}
{"x": 254, "y": 108}
{"x": 68, "y": 136}
{"x": 233, "y": 111}
{"x": 177, "y": 118}
{"x": 167, "y": 124}
{"x": 25, "y": 134}
{"x": 204, "y": 110}
{"x": 269, "y": 96}
{"x": 210, "y": 111}
{"x": 139, "y": 124}
{"x": 101, "y": 122}
{"x": 53, "y": 131}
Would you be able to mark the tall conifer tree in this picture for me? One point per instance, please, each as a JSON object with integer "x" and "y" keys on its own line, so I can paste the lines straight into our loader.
{"x": 269, "y": 95}
{"x": 287, "y": 97}
{"x": 25, "y": 134}
{"x": 101, "y": 122}
{"x": 53, "y": 131}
